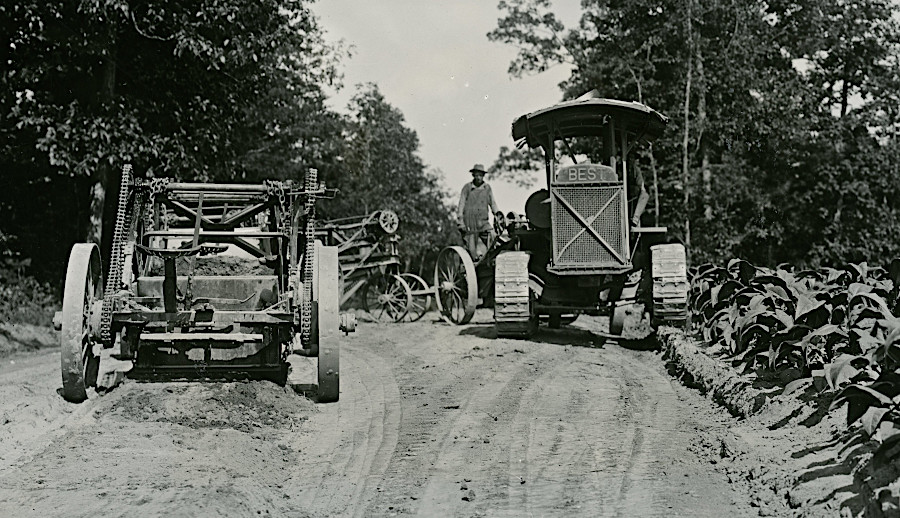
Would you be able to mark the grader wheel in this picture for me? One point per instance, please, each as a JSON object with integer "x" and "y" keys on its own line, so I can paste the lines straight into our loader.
{"x": 328, "y": 319}
{"x": 421, "y": 296}
{"x": 456, "y": 285}
{"x": 82, "y": 301}
{"x": 386, "y": 298}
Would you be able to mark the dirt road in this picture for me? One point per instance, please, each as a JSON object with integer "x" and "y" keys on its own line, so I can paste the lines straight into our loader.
{"x": 434, "y": 420}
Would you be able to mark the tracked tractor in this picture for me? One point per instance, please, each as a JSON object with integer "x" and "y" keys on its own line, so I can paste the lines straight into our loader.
{"x": 576, "y": 251}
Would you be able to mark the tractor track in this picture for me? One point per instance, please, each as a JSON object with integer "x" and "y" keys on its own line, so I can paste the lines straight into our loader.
{"x": 433, "y": 420}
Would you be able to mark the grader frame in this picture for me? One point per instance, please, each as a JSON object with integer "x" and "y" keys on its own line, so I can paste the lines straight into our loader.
{"x": 220, "y": 324}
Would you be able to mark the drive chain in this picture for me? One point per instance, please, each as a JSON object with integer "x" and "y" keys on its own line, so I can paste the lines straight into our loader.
{"x": 114, "y": 277}
{"x": 309, "y": 234}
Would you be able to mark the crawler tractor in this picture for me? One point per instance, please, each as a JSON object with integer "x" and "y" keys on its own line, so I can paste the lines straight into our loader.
{"x": 210, "y": 281}
{"x": 575, "y": 252}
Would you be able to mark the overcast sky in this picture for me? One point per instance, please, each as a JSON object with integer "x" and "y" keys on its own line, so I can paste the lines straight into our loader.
{"x": 432, "y": 60}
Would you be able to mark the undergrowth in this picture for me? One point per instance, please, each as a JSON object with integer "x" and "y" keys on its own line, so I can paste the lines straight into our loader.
{"x": 24, "y": 300}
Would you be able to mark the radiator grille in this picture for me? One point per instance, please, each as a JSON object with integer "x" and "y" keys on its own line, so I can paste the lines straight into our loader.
{"x": 601, "y": 207}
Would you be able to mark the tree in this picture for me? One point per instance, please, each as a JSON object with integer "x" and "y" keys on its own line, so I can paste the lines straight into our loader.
{"x": 381, "y": 169}
{"x": 197, "y": 90}
{"x": 750, "y": 89}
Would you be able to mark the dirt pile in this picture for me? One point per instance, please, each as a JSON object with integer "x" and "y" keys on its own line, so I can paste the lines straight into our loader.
{"x": 215, "y": 265}
{"x": 241, "y": 406}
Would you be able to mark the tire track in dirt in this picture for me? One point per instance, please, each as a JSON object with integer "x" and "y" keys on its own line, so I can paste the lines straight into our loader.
{"x": 434, "y": 420}
{"x": 32, "y": 415}
{"x": 475, "y": 439}
{"x": 355, "y": 438}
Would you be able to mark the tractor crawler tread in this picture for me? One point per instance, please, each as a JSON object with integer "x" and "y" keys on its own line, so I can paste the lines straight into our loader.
{"x": 670, "y": 284}
{"x": 512, "y": 298}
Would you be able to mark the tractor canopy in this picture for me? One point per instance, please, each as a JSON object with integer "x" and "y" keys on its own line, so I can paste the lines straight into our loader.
{"x": 589, "y": 116}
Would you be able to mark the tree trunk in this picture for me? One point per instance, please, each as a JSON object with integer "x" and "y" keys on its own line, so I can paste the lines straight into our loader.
{"x": 98, "y": 203}
{"x": 685, "y": 144}
{"x": 102, "y": 176}
{"x": 705, "y": 171}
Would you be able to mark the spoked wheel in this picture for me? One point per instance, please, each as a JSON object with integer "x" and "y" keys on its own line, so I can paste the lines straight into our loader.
{"x": 82, "y": 302}
{"x": 421, "y": 296}
{"x": 456, "y": 284}
{"x": 328, "y": 319}
{"x": 386, "y": 298}
{"x": 388, "y": 221}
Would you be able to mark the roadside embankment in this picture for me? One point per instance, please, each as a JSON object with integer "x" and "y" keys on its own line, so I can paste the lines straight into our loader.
{"x": 793, "y": 455}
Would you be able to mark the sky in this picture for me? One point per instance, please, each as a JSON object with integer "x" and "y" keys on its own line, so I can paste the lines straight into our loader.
{"x": 431, "y": 59}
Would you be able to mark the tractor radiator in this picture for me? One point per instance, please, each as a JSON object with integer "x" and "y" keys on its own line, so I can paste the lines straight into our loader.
{"x": 589, "y": 234}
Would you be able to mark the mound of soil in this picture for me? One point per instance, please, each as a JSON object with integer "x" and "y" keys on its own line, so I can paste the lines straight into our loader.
{"x": 242, "y": 406}
{"x": 217, "y": 265}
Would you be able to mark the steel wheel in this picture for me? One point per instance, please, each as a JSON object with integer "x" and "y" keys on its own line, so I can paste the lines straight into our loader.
{"x": 421, "y": 296}
{"x": 456, "y": 285}
{"x": 617, "y": 320}
{"x": 328, "y": 319}
{"x": 80, "y": 331}
{"x": 386, "y": 298}
{"x": 388, "y": 221}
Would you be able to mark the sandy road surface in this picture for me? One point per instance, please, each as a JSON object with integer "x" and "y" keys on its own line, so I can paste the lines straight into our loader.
{"x": 434, "y": 420}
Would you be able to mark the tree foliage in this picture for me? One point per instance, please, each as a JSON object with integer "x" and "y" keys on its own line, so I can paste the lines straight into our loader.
{"x": 199, "y": 90}
{"x": 783, "y": 115}
{"x": 381, "y": 169}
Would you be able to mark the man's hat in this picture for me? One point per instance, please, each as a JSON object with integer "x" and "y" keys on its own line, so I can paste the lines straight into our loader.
{"x": 478, "y": 168}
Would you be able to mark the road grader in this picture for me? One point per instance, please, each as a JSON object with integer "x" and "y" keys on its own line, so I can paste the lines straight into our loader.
{"x": 208, "y": 281}
{"x": 575, "y": 252}
{"x": 370, "y": 261}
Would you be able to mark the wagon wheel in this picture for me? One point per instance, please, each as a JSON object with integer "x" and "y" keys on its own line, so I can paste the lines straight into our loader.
{"x": 456, "y": 285}
{"x": 82, "y": 301}
{"x": 421, "y": 296}
{"x": 328, "y": 322}
{"x": 386, "y": 298}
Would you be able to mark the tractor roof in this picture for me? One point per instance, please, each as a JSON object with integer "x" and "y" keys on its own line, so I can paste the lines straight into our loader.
{"x": 587, "y": 116}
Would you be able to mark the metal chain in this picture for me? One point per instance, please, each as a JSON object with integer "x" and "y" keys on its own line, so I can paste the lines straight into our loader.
{"x": 279, "y": 190}
{"x": 157, "y": 186}
{"x": 114, "y": 278}
{"x": 309, "y": 206}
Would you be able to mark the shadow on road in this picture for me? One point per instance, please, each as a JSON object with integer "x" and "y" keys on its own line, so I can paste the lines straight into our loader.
{"x": 565, "y": 335}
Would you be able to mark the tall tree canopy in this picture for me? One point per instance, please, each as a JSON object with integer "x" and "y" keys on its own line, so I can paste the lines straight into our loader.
{"x": 783, "y": 114}
{"x": 199, "y": 90}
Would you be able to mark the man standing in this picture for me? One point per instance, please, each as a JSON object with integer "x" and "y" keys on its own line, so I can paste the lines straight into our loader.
{"x": 476, "y": 203}
{"x": 637, "y": 195}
